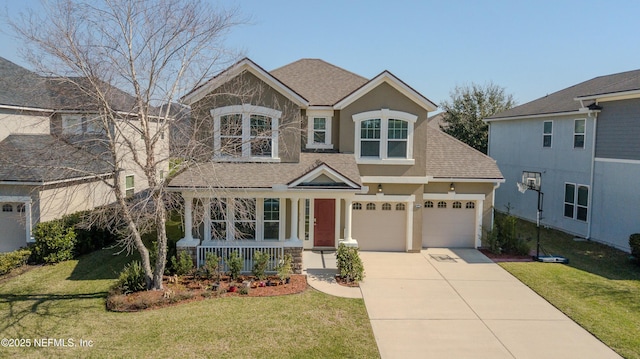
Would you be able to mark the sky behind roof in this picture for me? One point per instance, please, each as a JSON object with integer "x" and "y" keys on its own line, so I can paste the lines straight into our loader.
{"x": 532, "y": 48}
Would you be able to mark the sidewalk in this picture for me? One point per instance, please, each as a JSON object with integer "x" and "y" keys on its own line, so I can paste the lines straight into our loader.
{"x": 320, "y": 268}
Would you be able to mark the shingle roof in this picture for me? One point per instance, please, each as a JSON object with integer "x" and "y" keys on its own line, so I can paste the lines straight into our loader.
{"x": 21, "y": 87}
{"x": 321, "y": 83}
{"x": 45, "y": 158}
{"x": 264, "y": 175}
{"x": 563, "y": 100}
{"x": 448, "y": 157}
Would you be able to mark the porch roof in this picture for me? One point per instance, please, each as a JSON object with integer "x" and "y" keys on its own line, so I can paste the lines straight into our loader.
{"x": 264, "y": 175}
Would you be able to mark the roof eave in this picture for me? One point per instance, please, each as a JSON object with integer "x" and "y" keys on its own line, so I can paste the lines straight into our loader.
{"x": 613, "y": 96}
{"x": 530, "y": 116}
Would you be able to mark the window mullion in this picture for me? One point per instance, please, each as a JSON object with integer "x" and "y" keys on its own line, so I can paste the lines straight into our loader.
{"x": 259, "y": 219}
{"x": 246, "y": 134}
{"x": 384, "y": 136}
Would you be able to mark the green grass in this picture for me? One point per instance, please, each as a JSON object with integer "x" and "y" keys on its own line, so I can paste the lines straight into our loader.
{"x": 68, "y": 301}
{"x": 599, "y": 288}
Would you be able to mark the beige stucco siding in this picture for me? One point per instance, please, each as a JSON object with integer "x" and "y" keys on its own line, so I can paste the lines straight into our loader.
{"x": 246, "y": 88}
{"x": 12, "y": 122}
{"x": 57, "y": 202}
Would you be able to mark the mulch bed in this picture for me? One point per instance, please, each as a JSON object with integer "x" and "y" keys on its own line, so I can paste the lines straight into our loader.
{"x": 188, "y": 289}
{"x": 505, "y": 257}
{"x": 344, "y": 283}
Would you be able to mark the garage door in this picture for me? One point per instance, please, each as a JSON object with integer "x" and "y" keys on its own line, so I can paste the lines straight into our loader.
{"x": 448, "y": 224}
{"x": 12, "y": 230}
{"x": 379, "y": 226}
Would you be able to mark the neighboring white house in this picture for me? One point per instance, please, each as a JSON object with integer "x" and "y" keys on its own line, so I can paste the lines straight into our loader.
{"x": 584, "y": 141}
{"x": 52, "y": 158}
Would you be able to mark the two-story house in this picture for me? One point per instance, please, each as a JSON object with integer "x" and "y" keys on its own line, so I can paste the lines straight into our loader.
{"x": 584, "y": 142}
{"x": 310, "y": 155}
{"x": 54, "y": 158}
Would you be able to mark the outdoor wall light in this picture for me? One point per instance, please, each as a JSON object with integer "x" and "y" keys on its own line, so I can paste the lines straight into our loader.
{"x": 452, "y": 187}
{"x": 379, "y": 187}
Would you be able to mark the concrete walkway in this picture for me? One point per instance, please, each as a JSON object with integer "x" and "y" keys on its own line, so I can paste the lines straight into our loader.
{"x": 456, "y": 303}
{"x": 320, "y": 268}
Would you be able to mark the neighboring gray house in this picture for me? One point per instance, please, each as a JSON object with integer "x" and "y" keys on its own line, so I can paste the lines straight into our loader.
{"x": 585, "y": 142}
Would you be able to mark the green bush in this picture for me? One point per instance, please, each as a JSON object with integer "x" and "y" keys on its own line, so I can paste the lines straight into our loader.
{"x": 183, "y": 265}
{"x": 350, "y": 267}
{"x": 88, "y": 237}
{"x": 235, "y": 264}
{"x": 212, "y": 266}
{"x": 504, "y": 237}
{"x": 284, "y": 267}
{"x": 15, "y": 259}
{"x": 634, "y": 243}
{"x": 131, "y": 279}
{"x": 260, "y": 263}
{"x": 54, "y": 242}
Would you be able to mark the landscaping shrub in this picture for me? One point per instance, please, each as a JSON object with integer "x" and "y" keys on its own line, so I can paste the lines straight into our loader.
{"x": 284, "y": 267}
{"x": 211, "y": 266}
{"x": 131, "y": 279}
{"x": 350, "y": 267}
{"x": 54, "y": 242}
{"x": 15, "y": 259}
{"x": 183, "y": 265}
{"x": 504, "y": 237}
{"x": 89, "y": 237}
{"x": 634, "y": 243}
{"x": 235, "y": 263}
{"x": 260, "y": 263}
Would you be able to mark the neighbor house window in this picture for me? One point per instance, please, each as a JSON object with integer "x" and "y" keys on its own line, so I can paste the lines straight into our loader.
{"x": 384, "y": 136}
{"x": 470, "y": 205}
{"x": 357, "y": 206}
{"x": 442, "y": 204}
{"x": 245, "y": 131}
{"x": 547, "y": 133}
{"x": 271, "y": 223}
{"x": 386, "y": 206}
{"x": 7, "y": 208}
{"x": 79, "y": 124}
{"x": 129, "y": 186}
{"x": 576, "y": 201}
{"x": 578, "y": 133}
{"x": 319, "y": 129}
{"x": 20, "y": 207}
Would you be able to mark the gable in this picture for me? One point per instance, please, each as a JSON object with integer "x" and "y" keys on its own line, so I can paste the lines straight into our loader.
{"x": 323, "y": 176}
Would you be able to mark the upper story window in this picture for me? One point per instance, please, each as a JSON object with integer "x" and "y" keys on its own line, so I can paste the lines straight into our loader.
{"x": 384, "y": 137}
{"x": 129, "y": 185}
{"x": 245, "y": 131}
{"x": 81, "y": 124}
{"x": 578, "y": 133}
{"x": 319, "y": 129}
{"x": 547, "y": 133}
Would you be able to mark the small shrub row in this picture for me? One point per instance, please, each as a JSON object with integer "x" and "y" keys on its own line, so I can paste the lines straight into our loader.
{"x": 504, "y": 237}
{"x": 131, "y": 279}
{"x": 15, "y": 259}
{"x": 350, "y": 267}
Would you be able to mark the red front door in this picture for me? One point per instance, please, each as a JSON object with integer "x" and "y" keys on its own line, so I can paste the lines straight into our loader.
{"x": 325, "y": 222}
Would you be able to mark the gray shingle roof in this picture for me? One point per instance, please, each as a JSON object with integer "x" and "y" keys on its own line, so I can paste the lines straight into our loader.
{"x": 321, "y": 83}
{"x": 264, "y": 175}
{"x": 563, "y": 100}
{"x": 21, "y": 87}
{"x": 45, "y": 158}
{"x": 447, "y": 157}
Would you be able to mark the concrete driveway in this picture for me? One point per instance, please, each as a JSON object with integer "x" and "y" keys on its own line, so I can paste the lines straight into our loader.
{"x": 456, "y": 303}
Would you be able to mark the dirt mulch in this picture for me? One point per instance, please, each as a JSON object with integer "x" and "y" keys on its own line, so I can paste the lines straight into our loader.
{"x": 188, "y": 289}
{"x": 505, "y": 257}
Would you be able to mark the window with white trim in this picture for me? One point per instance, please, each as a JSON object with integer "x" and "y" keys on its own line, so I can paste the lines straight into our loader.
{"x": 244, "y": 218}
{"x": 129, "y": 185}
{"x": 547, "y": 133}
{"x": 576, "y": 201}
{"x": 578, "y": 133}
{"x": 386, "y": 206}
{"x": 271, "y": 225}
{"x": 245, "y": 131}
{"x": 319, "y": 129}
{"x": 76, "y": 124}
{"x": 218, "y": 219}
{"x": 384, "y": 137}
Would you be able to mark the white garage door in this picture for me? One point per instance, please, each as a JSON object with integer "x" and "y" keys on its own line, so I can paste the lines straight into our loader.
{"x": 12, "y": 229}
{"x": 379, "y": 226}
{"x": 448, "y": 224}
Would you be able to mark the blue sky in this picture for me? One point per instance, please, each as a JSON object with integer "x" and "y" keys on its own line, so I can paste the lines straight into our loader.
{"x": 531, "y": 48}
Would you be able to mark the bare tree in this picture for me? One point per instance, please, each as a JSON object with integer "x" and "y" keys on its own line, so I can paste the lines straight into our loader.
{"x": 154, "y": 51}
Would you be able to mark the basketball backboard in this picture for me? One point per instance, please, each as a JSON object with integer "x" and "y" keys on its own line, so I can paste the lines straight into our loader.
{"x": 532, "y": 180}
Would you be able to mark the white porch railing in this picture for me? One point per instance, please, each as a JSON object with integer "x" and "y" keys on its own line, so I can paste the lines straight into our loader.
{"x": 245, "y": 249}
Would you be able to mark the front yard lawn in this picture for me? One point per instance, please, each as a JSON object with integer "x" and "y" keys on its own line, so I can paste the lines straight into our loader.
{"x": 67, "y": 301}
{"x": 599, "y": 289}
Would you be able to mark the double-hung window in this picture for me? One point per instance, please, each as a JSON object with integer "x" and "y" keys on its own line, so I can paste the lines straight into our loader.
{"x": 271, "y": 215}
{"x": 129, "y": 185}
{"x": 576, "y": 201}
{"x": 578, "y": 133}
{"x": 547, "y": 133}
{"x": 245, "y": 131}
{"x": 246, "y": 219}
{"x": 319, "y": 129}
{"x": 384, "y": 137}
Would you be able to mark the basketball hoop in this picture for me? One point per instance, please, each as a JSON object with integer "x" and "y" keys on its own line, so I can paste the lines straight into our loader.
{"x": 522, "y": 187}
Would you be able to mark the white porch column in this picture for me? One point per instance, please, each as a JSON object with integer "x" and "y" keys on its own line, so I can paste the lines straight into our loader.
{"x": 478, "y": 231}
{"x": 348, "y": 212}
{"x": 28, "y": 221}
{"x": 188, "y": 240}
{"x": 294, "y": 219}
{"x": 206, "y": 202}
{"x": 409, "y": 229}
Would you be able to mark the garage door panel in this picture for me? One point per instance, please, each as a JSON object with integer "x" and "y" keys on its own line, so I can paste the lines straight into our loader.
{"x": 12, "y": 231}
{"x": 448, "y": 227}
{"x": 379, "y": 230}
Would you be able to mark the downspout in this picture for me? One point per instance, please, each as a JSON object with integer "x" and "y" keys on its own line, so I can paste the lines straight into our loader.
{"x": 593, "y": 164}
